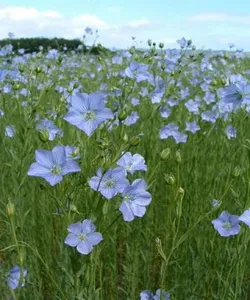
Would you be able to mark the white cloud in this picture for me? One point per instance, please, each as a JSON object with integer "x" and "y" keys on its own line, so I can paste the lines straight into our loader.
{"x": 31, "y": 22}
{"x": 87, "y": 20}
{"x": 139, "y": 23}
{"x": 220, "y": 17}
{"x": 21, "y": 13}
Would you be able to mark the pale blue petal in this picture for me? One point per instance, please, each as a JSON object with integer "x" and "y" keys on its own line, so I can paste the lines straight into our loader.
{"x": 59, "y": 155}
{"x": 70, "y": 166}
{"x": 138, "y": 210}
{"x": 75, "y": 228}
{"x": 80, "y": 102}
{"x": 37, "y": 170}
{"x": 84, "y": 247}
{"x": 126, "y": 212}
{"x": 245, "y": 217}
{"x": 71, "y": 240}
{"x": 44, "y": 158}
{"x": 53, "y": 179}
{"x": 143, "y": 198}
{"x": 95, "y": 238}
{"x": 87, "y": 227}
{"x": 94, "y": 182}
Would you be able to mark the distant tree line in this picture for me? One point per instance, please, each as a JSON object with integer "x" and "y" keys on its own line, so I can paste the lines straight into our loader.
{"x": 36, "y": 44}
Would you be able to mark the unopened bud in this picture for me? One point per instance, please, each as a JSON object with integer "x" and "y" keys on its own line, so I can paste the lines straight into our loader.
{"x": 163, "y": 67}
{"x": 59, "y": 60}
{"x": 125, "y": 138}
{"x": 21, "y": 68}
{"x": 150, "y": 43}
{"x": 236, "y": 172}
{"x": 135, "y": 141}
{"x": 161, "y": 45}
{"x": 164, "y": 155}
{"x": 10, "y": 207}
{"x": 169, "y": 178}
{"x": 181, "y": 191}
{"x": 73, "y": 208}
{"x": 43, "y": 136}
{"x": 75, "y": 85}
{"x": 38, "y": 70}
{"x": 132, "y": 50}
{"x": 214, "y": 82}
{"x": 122, "y": 115}
{"x": 178, "y": 156}
{"x": 16, "y": 86}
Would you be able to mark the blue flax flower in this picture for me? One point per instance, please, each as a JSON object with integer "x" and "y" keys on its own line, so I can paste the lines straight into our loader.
{"x": 88, "y": 111}
{"x": 227, "y": 224}
{"x": 235, "y": 93}
{"x": 132, "y": 163}
{"x": 110, "y": 183}
{"x": 135, "y": 199}
{"x": 160, "y": 295}
{"x": 82, "y": 235}
{"x": 72, "y": 152}
{"x": 52, "y": 165}
{"x": 10, "y": 131}
{"x": 49, "y": 129}
{"x": 14, "y": 277}
{"x": 146, "y": 295}
{"x": 231, "y": 132}
{"x": 245, "y": 217}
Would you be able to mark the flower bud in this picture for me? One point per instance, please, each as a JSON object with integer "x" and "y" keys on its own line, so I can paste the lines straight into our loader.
{"x": 236, "y": 172}
{"x": 214, "y": 82}
{"x": 21, "y": 68}
{"x": 38, "y": 70}
{"x": 163, "y": 67}
{"x": 16, "y": 86}
{"x": 132, "y": 50}
{"x": 135, "y": 140}
{"x": 169, "y": 178}
{"x": 164, "y": 155}
{"x": 75, "y": 85}
{"x": 43, "y": 136}
{"x": 181, "y": 191}
{"x": 161, "y": 45}
{"x": 150, "y": 43}
{"x": 125, "y": 138}
{"x": 122, "y": 115}
{"x": 73, "y": 208}
{"x": 59, "y": 60}
{"x": 178, "y": 156}
{"x": 10, "y": 208}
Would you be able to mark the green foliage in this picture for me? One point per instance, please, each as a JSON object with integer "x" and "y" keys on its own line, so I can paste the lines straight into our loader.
{"x": 174, "y": 246}
{"x": 32, "y": 45}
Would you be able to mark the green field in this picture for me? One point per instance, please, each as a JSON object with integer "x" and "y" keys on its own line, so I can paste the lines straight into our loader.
{"x": 173, "y": 108}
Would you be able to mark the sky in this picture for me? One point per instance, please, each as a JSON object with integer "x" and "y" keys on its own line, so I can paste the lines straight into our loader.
{"x": 211, "y": 24}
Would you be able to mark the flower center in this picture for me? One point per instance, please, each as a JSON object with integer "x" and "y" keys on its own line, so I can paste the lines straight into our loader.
{"x": 110, "y": 183}
{"x": 227, "y": 225}
{"x": 56, "y": 170}
{"x": 81, "y": 237}
{"x": 128, "y": 198}
{"x": 89, "y": 115}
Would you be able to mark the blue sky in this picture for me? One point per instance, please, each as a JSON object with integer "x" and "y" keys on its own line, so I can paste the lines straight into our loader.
{"x": 210, "y": 24}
